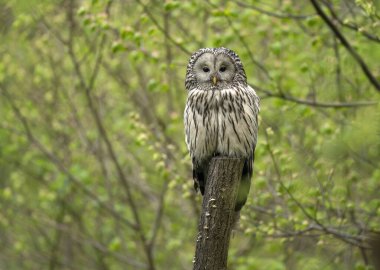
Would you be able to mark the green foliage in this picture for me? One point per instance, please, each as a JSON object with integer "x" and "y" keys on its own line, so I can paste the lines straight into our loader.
{"x": 93, "y": 165}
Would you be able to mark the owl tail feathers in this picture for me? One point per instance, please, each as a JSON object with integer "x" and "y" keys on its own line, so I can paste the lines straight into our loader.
{"x": 245, "y": 185}
{"x": 241, "y": 199}
{"x": 235, "y": 222}
{"x": 199, "y": 181}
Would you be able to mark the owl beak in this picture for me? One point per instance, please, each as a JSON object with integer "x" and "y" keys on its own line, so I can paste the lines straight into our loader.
{"x": 214, "y": 80}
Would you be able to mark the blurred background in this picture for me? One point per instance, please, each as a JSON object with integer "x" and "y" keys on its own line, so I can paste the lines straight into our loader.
{"x": 94, "y": 170}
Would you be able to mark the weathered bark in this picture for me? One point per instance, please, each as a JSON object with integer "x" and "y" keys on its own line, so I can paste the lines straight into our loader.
{"x": 218, "y": 213}
{"x": 374, "y": 241}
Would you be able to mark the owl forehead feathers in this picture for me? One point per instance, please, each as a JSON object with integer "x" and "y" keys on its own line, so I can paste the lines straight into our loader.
{"x": 190, "y": 77}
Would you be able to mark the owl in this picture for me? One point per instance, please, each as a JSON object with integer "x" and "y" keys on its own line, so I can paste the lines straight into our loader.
{"x": 221, "y": 115}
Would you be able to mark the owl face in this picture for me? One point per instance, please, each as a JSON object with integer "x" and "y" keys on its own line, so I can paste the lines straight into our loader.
{"x": 213, "y": 69}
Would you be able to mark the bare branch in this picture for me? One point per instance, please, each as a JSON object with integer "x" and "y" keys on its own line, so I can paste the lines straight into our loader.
{"x": 314, "y": 103}
{"x": 347, "y": 45}
{"x": 245, "y": 44}
{"x": 54, "y": 159}
{"x": 162, "y": 29}
{"x": 272, "y": 14}
{"x": 351, "y": 26}
{"x": 87, "y": 87}
{"x": 354, "y": 240}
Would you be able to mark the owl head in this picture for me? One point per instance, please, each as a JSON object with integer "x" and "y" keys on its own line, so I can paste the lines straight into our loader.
{"x": 214, "y": 69}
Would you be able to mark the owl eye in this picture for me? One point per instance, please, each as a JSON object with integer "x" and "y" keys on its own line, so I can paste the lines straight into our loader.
{"x": 206, "y": 69}
{"x": 222, "y": 69}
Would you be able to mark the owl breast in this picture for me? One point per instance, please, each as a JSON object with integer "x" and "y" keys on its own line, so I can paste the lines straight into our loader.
{"x": 221, "y": 122}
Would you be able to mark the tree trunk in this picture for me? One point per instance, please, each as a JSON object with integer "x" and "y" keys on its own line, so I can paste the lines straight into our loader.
{"x": 218, "y": 213}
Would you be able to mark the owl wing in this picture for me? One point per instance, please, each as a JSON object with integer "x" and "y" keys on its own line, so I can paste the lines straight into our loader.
{"x": 251, "y": 111}
{"x": 254, "y": 105}
{"x": 192, "y": 131}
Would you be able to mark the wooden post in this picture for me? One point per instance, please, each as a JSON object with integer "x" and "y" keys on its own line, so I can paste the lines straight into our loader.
{"x": 374, "y": 242}
{"x": 218, "y": 213}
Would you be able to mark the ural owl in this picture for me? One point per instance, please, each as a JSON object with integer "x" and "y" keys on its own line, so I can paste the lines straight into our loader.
{"x": 220, "y": 115}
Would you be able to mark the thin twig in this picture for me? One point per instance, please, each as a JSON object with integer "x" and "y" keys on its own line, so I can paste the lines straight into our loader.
{"x": 353, "y": 240}
{"x": 273, "y": 14}
{"x": 161, "y": 29}
{"x": 245, "y": 44}
{"x": 88, "y": 87}
{"x": 314, "y": 103}
{"x": 347, "y": 45}
{"x": 54, "y": 159}
{"x": 351, "y": 26}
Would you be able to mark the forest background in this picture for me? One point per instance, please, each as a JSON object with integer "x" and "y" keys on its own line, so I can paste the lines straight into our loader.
{"x": 94, "y": 170}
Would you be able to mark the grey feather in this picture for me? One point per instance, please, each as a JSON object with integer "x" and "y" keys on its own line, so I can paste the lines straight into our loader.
{"x": 221, "y": 114}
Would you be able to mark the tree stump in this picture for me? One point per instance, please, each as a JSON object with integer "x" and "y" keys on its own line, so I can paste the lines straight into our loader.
{"x": 218, "y": 215}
